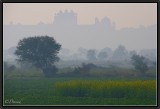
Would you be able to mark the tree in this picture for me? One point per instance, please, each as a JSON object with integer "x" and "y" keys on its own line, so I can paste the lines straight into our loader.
{"x": 91, "y": 55}
{"x": 40, "y": 51}
{"x": 107, "y": 50}
{"x": 133, "y": 52}
{"x": 139, "y": 63}
{"x": 102, "y": 55}
{"x": 120, "y": 54}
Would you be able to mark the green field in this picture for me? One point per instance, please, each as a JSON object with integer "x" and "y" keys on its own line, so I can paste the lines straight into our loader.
{"x": 79, "y": 91}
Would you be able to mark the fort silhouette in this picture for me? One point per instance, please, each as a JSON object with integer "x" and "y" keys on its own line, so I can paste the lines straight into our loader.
{"x": 68, "y": 19}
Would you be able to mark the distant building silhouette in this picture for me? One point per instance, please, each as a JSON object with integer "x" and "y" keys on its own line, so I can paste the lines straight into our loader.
{"x": 65, "y": 18}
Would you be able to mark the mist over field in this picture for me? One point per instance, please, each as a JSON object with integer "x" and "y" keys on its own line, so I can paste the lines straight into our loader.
{"x": 76, "y": 38}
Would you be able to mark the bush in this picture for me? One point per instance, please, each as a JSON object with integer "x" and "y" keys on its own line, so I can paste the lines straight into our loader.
{"x": 84, "y": 69}
{"x": 139, "y": 63}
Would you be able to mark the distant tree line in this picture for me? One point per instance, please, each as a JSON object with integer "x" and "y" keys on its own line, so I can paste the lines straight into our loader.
{"x": 42, "y": 52}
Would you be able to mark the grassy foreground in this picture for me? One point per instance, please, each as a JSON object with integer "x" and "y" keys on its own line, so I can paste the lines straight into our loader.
{"x": 78, "y": 91}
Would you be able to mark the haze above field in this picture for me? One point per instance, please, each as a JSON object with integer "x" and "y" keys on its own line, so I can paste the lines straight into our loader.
{"x": 97, "y": 27}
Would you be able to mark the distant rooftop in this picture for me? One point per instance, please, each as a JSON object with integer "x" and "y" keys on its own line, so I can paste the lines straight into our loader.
{"x": 65, "y": 18}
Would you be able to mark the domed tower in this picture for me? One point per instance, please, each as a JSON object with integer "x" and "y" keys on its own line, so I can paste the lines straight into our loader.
{"x": 65, "y": 18}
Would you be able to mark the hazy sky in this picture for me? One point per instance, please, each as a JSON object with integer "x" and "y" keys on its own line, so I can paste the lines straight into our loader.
{"x": 123, "y": 14}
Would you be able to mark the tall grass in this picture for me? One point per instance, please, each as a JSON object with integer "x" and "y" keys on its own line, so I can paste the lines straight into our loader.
{"x": 106, "y": 88}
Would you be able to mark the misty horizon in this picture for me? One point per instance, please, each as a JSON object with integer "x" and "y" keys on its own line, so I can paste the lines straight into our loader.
{"x": 66, "y": 31}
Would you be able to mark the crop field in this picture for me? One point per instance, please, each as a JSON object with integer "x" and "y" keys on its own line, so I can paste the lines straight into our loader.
{"x": 79, "y": 91}
{"x": 107, "y": 89}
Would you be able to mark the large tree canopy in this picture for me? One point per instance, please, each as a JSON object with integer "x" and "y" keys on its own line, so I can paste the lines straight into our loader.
{"x": 40, "y": 51}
